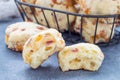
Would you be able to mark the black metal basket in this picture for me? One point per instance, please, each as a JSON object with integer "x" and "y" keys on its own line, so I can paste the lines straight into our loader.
{"x": 70, "y": 36}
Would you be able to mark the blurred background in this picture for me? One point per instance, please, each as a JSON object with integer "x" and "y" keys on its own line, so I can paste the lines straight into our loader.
{"x": 8, "y": 10}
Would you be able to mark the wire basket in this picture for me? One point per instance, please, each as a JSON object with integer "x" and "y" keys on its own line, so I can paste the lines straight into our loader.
{"x": 70, "y": 36}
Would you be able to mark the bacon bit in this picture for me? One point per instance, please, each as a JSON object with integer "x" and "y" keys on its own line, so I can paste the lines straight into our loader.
{"x": 23, "y": 29}
{"x": 24, "y": 0}
{"x": 93, "y": 22}
{"x": 75, "y": 50}
{"x": 69, "y": 3}
{"x": 41, "y": 20}
{"x": 87, "y": 10}
{"x": 67, "y": 6}
{"x": 33, "y": 10}
{"x": 29, "y": 20}
{"x": 31, "y": 50}
{"x": 51, "y": 5}
{"x": 102, "y": 33}
{"x": 40, "y": 28}
{"x": 54, "y": 1}
{"x": 102, "y": 21}
{"x": 52, "y": 14}
{"x": 34, "y": 1}
{"x": 49, "y": 42}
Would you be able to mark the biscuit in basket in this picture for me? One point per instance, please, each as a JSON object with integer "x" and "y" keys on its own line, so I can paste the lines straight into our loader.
{"x": 63, "y": 5}
{"x": 99, "y": 7}
{"x": 81, "y": 56}
{"x": 18, "y": 33}
{"x": 103, "y": 31}
{"x": 29, "y": 17}
{"x": 41, "y": 46}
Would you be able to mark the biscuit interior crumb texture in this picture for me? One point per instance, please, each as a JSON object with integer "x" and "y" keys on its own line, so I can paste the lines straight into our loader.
{"x": 80, "y": 56}
{"x": 41, "y": 46}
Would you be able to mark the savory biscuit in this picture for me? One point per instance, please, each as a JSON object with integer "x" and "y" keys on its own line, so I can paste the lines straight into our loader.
{"x": 103, "y": 30}
{"x": 18, "y": 33}
{"x": 81, "y": 56}
{"x": 94, "y": 6}
{"x": 41, "y": 46}
{"x": 61, "y": 18}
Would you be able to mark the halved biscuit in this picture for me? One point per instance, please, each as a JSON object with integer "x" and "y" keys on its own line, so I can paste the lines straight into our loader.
{"x": 81, "y": 56}
{"x": 41, "y": 46}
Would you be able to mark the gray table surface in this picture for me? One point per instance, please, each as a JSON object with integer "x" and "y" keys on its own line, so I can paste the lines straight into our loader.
{"x": 12, "y": 66}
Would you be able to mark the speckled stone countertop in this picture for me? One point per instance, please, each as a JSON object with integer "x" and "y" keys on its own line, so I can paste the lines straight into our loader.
{"x": 12, "y": 66}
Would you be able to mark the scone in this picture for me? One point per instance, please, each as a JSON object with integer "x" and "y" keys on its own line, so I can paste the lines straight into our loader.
{"x": 103, "y": 32}
{"x": 18, "y": 33}
{"x": 41, "y": 46}
{"x": 63, "y": 5}
{"x": 81, "y": 56}
{"x": 98, "y": 6}
{"x": 93, "y": 7}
